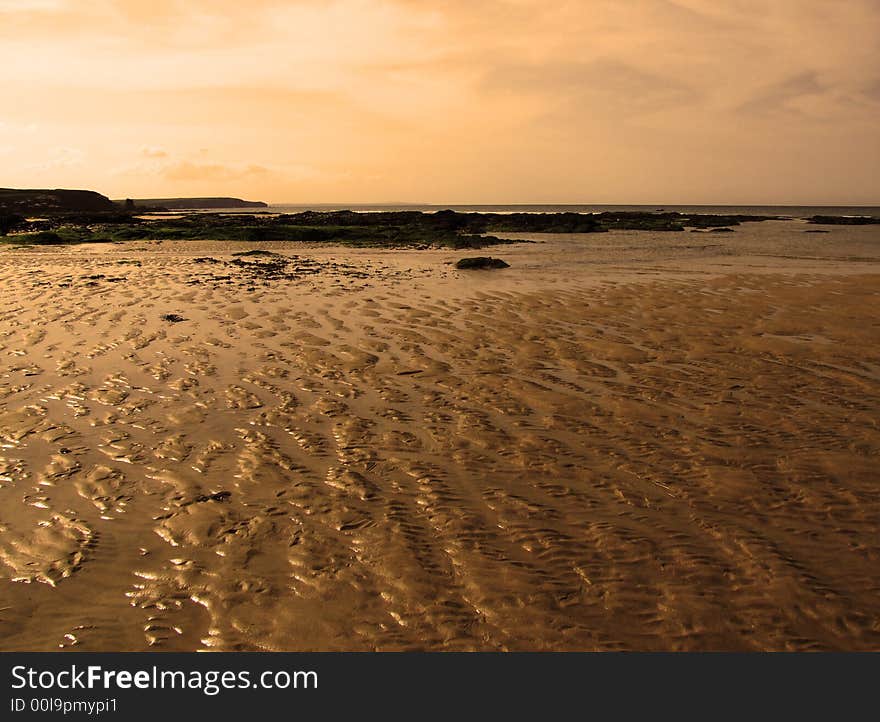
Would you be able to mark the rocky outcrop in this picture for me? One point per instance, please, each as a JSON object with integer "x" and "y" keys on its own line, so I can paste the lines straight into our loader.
{"x": 480, "y": 263}
{"x": 844, "y": 220}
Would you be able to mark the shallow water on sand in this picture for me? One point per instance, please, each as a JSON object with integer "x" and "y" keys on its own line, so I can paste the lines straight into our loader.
{"x": 633, "y": 441}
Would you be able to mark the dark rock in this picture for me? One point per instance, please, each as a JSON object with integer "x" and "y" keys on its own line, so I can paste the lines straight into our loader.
{"x": 844, "y": 220}
{"x": 480, "y": 263}
{"x": 710, "y": 220}
{"x": 255, "y": 252}
{"x": 172, "y": 318}
{"x": 219, "y": 496}
{"x": 638, "y": 221}
{"x": 8, "y": 221}
{"x": 711, "y": 230}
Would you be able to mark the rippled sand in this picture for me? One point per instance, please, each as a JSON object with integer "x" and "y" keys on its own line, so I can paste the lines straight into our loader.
{"x": 628, "y": 441}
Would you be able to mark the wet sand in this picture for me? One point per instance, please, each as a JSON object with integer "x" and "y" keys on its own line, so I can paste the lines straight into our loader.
{"x": 626, "y": 441}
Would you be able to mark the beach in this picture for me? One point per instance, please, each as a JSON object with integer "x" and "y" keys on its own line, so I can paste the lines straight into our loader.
{"x": 625, "y": 441}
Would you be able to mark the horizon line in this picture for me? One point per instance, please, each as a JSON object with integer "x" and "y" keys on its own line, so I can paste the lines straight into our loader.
{"x": 658, "y": 205}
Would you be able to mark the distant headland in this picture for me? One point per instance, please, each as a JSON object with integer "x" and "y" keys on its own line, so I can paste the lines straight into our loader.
{"x": 174, "y": 204}
{"x": 58, "y": 200}
{"x": 45, "y": 201}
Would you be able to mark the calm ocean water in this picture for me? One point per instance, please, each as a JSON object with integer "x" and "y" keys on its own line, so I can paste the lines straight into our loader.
{"x": 789, "y": 211}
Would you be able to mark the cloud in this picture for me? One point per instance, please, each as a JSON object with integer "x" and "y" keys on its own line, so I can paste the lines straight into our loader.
{"x": 153, "y": 153}
{"x": 405, "y": 98}
{"x": 210, "y": 172}
{"x": 60, "y": 158}
{"x": 783, "y": 96}
{"x": 25, "y": 6}
{"x": 593, "y": 85}
{"x": 871, "y": 91}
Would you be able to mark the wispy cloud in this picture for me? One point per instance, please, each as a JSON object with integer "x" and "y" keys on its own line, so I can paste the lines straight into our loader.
{"x": 60, "y": 158}
{"x": 153, "y": 153}
{"x": 783, "y": 96}
{"x": 187, "y": 171}
{"x": 19, "y": 6}
{"x": 592, "y": 86}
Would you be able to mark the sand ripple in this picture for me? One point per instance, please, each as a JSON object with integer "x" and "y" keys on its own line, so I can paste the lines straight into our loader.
{"x": 641, "y": 464}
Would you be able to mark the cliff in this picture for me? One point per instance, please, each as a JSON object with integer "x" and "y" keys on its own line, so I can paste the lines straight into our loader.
{"x": 195, "y": 203}
{"x": 49, "y": 202}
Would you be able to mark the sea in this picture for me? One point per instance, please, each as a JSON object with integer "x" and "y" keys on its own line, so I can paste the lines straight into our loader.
{"x": 783, "y": 211}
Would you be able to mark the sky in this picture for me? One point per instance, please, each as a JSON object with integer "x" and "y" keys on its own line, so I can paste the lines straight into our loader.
{"x": 445, "y": 101}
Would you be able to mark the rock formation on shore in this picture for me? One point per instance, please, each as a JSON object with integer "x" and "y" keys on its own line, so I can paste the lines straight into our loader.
{"x": 480, "y": 263}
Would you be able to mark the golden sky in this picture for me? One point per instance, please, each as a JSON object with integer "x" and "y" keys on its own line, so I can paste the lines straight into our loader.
{"x": 455, "y": 101}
